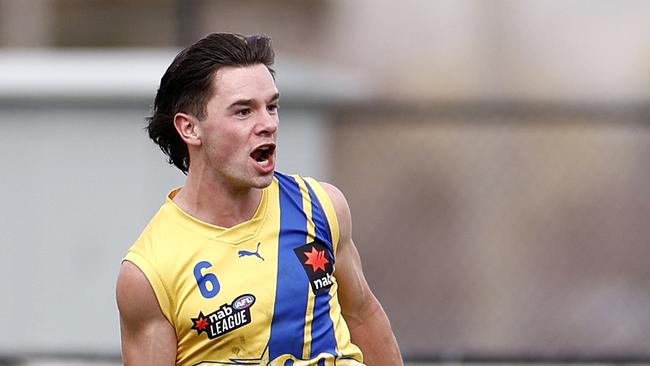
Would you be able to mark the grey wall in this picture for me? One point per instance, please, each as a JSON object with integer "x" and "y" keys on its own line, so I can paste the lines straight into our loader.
{"x": 79, "y": 184}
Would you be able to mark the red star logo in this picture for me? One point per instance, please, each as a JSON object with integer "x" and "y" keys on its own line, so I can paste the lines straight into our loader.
{"x": 316, "y": 259}
{"x": 201, "y": 323}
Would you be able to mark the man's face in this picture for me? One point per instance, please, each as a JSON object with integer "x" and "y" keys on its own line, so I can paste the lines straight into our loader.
{"x": 239, "y": 132}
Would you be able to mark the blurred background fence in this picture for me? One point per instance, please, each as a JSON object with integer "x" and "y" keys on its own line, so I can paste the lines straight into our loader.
{"x": 495, "y": 155}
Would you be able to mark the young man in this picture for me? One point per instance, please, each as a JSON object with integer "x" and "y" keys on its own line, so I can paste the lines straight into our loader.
{"x": 242, "y": 265}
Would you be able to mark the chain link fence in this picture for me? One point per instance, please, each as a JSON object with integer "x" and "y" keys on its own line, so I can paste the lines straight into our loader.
{"x": 503, "y": 231}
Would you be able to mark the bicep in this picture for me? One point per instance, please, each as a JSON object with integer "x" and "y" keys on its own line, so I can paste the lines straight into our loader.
{"x": 147, "y": 337}
{"x": 356, "y": 298}
{"x": 369, "y": 327}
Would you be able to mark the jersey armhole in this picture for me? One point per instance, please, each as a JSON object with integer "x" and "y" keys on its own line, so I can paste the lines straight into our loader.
{"x": 328, "y": 207}
{"x": 154, "y": 280}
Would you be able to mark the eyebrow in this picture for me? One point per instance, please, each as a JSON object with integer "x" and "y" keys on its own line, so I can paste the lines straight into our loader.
{"x": 250, "y": 102}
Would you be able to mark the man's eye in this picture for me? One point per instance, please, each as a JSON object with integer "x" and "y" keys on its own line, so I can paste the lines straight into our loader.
{"x": 273, "y": 108}
{"x": 243, "y": 112}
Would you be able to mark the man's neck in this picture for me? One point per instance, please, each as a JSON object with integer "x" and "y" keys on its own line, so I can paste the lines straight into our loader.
{"x": 217, "y": 203}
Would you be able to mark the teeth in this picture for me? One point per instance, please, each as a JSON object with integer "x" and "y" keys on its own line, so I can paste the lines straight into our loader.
{"x": 262, "y": 155}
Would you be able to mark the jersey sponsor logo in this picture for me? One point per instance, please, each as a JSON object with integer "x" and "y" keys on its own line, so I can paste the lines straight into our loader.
{"x": 325, "y": 359}
{"x": 226, "y": 318}
{"x": 243, "y": 302}
{"x": 256, "y": 253}
{"x": 318, "y": 265}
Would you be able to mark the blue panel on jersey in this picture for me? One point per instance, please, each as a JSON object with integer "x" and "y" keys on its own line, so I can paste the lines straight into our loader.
{"x": 288, "y": 325}
{"x": 322, "y": 332}
{"x": 320, "y": 220}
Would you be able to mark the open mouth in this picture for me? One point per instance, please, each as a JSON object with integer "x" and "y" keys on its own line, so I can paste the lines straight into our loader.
{"x": 263, "y": 154}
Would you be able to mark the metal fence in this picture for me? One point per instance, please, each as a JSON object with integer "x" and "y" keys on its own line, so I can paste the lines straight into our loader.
{"x": 503, "y": 230}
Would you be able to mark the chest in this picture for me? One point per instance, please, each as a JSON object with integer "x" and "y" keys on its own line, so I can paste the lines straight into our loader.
{"x": 266, "y": 296}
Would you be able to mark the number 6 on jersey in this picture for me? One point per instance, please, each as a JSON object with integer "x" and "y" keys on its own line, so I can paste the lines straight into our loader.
{"x": 204, "y": 279}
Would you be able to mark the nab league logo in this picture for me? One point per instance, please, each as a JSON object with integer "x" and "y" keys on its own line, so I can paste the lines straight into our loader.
{"x": 225, "y": 319}
{"x": 318, "y": 264}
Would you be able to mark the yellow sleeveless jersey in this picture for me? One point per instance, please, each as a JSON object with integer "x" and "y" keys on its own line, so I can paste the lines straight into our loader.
{"x": 263, "y": 292}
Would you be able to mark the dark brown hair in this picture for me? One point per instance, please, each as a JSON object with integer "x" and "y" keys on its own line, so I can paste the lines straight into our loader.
{"x": 186, "y": 86}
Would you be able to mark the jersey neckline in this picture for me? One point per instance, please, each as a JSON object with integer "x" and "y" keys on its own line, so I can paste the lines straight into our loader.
{"x": 234, "y": 235}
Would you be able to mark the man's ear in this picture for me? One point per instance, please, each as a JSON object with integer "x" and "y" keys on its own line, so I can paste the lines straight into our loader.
{"x": 188, "y": 128}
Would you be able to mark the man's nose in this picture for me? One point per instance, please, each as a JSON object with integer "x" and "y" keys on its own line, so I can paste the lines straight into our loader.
{"x": 268, "y": 123}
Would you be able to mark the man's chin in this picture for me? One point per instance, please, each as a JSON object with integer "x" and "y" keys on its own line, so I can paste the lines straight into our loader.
{"x": 263, "y": 181}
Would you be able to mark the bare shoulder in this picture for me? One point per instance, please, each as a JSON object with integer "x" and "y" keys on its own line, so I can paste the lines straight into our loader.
{"x": 135, "y": 296}
{"x": 341, "y": 208}
{"x": 332, "y": 190}
{"x": 147, "y": 336}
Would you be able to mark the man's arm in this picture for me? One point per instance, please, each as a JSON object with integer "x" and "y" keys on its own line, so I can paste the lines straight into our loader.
{"x": 147, "y": 337}
{"x": 369, "y": 326}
